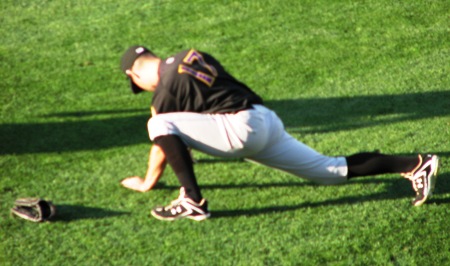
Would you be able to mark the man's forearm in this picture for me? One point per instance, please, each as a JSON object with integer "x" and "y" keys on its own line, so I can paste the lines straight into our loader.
{"x": 156, "y": 166}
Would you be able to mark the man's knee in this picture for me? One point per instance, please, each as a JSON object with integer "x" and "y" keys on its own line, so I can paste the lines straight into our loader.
{"x": 158, "y": 126}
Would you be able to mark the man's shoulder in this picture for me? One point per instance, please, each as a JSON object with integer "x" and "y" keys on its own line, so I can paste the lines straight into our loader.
{"x": 178, "y": 57}
{"x": 169, "y": 69}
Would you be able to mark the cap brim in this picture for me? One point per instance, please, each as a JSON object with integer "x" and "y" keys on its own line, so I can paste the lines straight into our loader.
{"x": 134, "y": 88}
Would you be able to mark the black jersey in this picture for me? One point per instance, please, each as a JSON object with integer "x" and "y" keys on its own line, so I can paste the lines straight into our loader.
{"x": 193, "y": 81}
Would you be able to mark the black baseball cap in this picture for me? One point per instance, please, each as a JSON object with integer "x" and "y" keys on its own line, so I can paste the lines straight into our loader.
{"x": 128, "y": 58}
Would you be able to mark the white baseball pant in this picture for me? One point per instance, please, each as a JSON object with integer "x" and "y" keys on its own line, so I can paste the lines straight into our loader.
{"x": 257, "y": 135}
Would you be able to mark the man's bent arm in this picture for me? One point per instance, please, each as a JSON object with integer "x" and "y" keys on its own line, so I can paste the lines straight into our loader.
{"x": 156, "y": 166}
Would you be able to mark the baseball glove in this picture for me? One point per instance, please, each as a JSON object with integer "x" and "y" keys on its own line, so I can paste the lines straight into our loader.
{"x": 34, "y": 209}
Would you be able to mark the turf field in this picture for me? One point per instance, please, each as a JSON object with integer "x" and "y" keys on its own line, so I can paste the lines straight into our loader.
{"x": 345, "y": 76}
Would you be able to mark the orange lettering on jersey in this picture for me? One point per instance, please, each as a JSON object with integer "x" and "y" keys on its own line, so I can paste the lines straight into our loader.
{"x": 195, "y": 57}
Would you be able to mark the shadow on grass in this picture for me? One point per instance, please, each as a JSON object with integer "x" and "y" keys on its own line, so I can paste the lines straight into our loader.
{"x": 307, "y": 115}
{"x": 320, "y": 115}
{"x": 375, "y": 180}
{"x": 71, "y": 213}
{"x": 397, "y": 189}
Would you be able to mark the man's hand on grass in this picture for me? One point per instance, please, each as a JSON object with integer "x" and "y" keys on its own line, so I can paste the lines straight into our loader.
{"x": 135, "y": 183}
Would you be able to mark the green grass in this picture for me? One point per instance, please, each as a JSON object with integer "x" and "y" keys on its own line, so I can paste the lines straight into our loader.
{"x": 345, "y": 76}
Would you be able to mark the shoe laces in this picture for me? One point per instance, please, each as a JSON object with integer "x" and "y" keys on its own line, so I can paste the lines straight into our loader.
{"x": 418, "y": 183}
{"x": 178, "y": 201}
